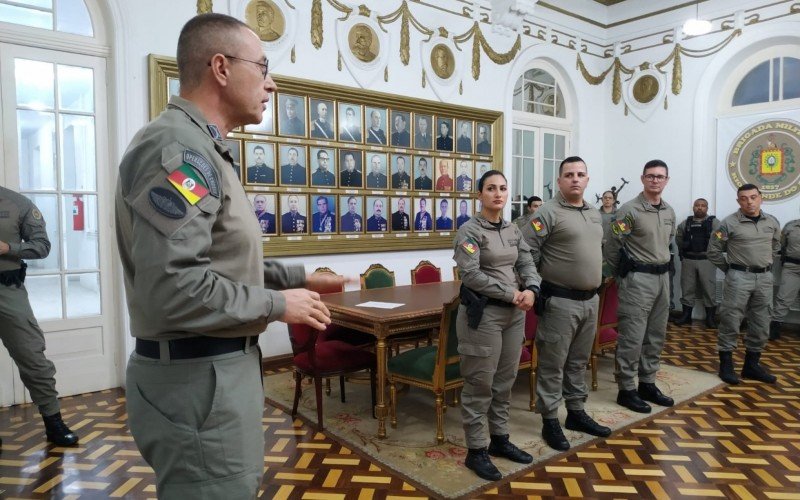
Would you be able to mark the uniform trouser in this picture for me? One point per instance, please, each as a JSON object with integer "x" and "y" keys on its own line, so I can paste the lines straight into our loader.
{"x": 197, "y": 422}
{"x": 698, "y": 276}
{"x": 24, "y": 340}
{"x": 787, "y": 291}
{"x": 643, "y": 312}
{"x": 489, "y": 363}
{"x": 564, "y": 340}
{"x": 745, "y": 294}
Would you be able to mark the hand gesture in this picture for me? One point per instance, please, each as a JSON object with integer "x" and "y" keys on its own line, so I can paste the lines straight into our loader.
{"x": 304, "y": 307}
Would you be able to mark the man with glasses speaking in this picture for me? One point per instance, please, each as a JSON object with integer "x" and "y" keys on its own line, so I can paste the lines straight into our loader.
{"x": 638, "y": 255}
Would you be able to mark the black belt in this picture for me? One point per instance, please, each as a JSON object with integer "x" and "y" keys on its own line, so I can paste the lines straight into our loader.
{"x": 551, "y": 290}
{"x": 695, "y": 257}
{"x": 650, "y": 268}
{"x": 750, "y": 269}
{"x": 790, "y": 259}
{"x": 194, "y": 347}
{"x": 499, "y": 303}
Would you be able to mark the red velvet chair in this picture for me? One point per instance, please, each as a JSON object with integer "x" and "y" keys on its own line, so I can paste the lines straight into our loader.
{"x": 425, "y": 272}
{"x": 529, "y": 357}
{"x": 607, "y": 323}
{"x": 336, "y": 332}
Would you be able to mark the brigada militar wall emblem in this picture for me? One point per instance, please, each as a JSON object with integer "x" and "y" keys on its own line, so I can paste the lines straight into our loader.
{"x": 765, "y": 155}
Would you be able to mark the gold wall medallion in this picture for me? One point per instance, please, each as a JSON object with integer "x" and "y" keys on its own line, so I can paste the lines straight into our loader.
{"x": 645, "y": 89}
{"x": 442, "y": 61}
{"x": 364, "y": 42}
{"x": 266, "y": 19}
{"x": 204, "y": 6}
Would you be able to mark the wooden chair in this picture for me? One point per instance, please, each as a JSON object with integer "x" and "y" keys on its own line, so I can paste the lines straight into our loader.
{"x": 377, "y": 276}
{"x": 605, "y": 338}
{"x": 336, "y": 332}
{"x": 529, "y": 356}
{"x": 436, "y": 368}
{"x": 425, "y": 272}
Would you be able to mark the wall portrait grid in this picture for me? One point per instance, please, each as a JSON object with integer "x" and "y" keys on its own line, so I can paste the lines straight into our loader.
{"x": 333, "y": 171}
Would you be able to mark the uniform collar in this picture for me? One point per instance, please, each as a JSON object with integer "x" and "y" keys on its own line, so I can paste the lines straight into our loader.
{"x": 743, "y": 218}
{"x": 648, "y": 206}
{"x": 196, "y": 116}
{"x": 564, "y": 203}
{"x": 488, "y": 225}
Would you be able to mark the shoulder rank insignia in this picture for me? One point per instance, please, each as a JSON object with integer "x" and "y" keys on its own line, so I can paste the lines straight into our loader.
{"x": 470, "y": 246}
{"x": 537, "y": 225}
{"x": 36, "y": 214}
{"x": 214, "y": 131}
{"x": 188, "y": 183}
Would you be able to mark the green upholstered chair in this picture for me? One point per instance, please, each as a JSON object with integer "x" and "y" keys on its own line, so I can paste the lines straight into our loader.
{"x": 377, "y": 276}
{"x": 436, "y": 368}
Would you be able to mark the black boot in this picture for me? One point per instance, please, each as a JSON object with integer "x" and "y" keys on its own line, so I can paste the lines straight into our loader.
{"x": 753, "y": 370}
{"x": 775, "y": 330}
{"x": 726, "y": 372}
{"x": 711, "y": 320}
{"x": 579, "y": 420}
{"x": 478, "y": 461}
{"x": 651, "y": 393}
{"x": 632, "y": 401}
{"x": 58, "y": 432}
{"x": 500, "y": 446}
{"x": 553, "y": 435}
{"x": 686, "y": 318}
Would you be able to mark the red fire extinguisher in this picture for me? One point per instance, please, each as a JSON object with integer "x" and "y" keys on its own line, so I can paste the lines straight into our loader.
{"x": 77, "y": 212}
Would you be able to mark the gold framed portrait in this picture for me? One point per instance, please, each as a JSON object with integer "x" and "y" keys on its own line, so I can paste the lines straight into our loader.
{"x": 364, "y": 42}
{"x": 443, "y": 61}
{"x": 266, "y": 19}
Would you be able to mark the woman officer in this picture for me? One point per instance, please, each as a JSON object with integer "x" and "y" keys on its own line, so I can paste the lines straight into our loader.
{"x": 490, "y": 324}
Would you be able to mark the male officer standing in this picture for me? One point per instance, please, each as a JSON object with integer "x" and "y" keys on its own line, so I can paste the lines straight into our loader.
{"x": 790, "y": 276}
{"x": 752, "y": 240}
{"x": 638, "y": 255}
{"x": 697, "y": 272}
{"x": 566, "y": 234}
{"x": 199, "y": 292}
{"x": 23, "y": 236}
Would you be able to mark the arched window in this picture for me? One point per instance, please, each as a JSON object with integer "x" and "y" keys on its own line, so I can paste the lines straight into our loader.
{"x": 68, "y": 16}
{"x": 537, "y": 91}
{"x": 775, "y": 79}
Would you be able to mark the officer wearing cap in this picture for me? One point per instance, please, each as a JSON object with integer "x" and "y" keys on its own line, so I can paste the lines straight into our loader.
{"x": 566, "y": 234}
{"x": 751, "y": 238}
{"x": 490, "y": 253}
{"x": 198, "y": 290}
{"x": 23, "y": 236}
{"x": 698, "y": 274}
{"x": 790, "y": 276}
{"x": 637, "y": 254}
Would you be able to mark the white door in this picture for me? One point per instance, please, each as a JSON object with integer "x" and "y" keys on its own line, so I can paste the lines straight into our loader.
{"x": 54, "y": 138}
{"x": 537, "y": 152}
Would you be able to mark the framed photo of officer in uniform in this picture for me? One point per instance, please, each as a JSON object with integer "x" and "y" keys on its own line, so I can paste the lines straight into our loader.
{"x": 444, "y": 214}
{"x": 444, "y": 130}
{"x": 376, "y": 125}
{"x": 377, "y": 221}
{"x": 293, "y": 165}
{"x": 351, "y": 124}
{"x": 264, "y": 208}
{"x": 423, "y": 174}
{"x": 464, "y": 211}
{"x": 444, "y": 179}
{"x": 377, "y": 173}
{"x": 260, "y": 161}
{"x": 294, "y": 213}
{"x": 267, "y": 125}
{"x": 291, "y": 115}
{"x": 481, "y": 167}
{"x": 423, "y": 131}
{"x": 351, "y": 209}
{"x": 322, "y": 119}
{"x": 351, "y": 169}
{"x": 401, "y": 179}
{"x": 483, "y": 143}
{"x": 401, "y": 217}
{"x": 464, "y": 136}
{"x": 401, "y": 129}
{"x": 464, "y": 179}
{"x": 323, "y": 220}
{"x": 423, "y": 220}
{"x": 323, "y": 167}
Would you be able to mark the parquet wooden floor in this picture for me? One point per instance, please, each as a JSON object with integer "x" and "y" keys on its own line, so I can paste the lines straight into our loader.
{"x": 739, "y": 442}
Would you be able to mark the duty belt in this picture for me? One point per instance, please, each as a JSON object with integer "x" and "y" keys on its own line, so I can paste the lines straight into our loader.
{"x": 750, "y": 269}
{"x": 650, "y": 268}
{"x": 792, "y": 260}
{"x": 498, "y": 303}
{"x": 551, "y": 290}
{"x": 194, "y": 347}
{"x": 697, "y": 256}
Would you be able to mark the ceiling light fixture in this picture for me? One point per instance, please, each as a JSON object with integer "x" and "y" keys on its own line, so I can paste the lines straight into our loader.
{"x": 696, "y": 26}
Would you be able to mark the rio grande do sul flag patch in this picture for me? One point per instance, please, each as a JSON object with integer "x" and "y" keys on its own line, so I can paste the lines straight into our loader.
{"x": 470, "y": 246}
{"x": 188, "y": 183}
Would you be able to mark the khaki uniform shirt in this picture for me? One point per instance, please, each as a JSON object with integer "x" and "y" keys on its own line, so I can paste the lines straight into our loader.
{"x": 748, "y": 243}
{"x": 192, "y": 269}
{"x": 23, "y": 228}
{"x": 645, "y": 231}
{"x": 790, "y": 239}
{"x": 490, "y": 259}
{"x": 566, "y": 244}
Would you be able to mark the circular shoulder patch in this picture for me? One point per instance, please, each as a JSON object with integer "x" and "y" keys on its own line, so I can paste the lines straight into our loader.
{"x": 36, "y": 214}
{"x": 167, "y": 203}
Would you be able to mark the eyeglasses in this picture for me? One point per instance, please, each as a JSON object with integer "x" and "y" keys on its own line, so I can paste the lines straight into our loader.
{"x": 264, "y": 66}
{"x": 657, "y": 178}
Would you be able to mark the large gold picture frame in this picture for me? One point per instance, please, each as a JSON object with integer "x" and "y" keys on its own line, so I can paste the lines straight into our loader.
{"x": 354, "y": 237}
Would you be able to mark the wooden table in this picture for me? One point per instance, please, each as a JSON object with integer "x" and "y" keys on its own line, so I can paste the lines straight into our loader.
{"x": 421, "y": 309}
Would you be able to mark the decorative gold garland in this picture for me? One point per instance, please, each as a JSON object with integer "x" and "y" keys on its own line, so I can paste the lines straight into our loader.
{"x": 406, "y": 18}
{"x": 479, "y": 43}
{"x": 204, "y": 6}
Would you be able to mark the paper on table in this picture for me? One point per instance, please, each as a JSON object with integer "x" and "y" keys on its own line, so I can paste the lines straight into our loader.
{"x": 379, "y": 305}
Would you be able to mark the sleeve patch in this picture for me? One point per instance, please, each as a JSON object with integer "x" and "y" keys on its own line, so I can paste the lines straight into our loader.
{"x": 205, "y": 169}
{"x": 537, "y": 224}
{"x": 189, "y": 183}
{"x": 470, "y": 246}
{"x": 721, "y": 235}
{"x": 167, "y": 203}
{"x": 36, "y": 214}
{"x": 621, "y": 227}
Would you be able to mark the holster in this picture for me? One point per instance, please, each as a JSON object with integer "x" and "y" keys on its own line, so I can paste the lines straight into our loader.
{"x": 475, "y": 303}
{"x": 540, "y": 304}
{"x": 14, "y": 277}
{"x": 626, "y": 264}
